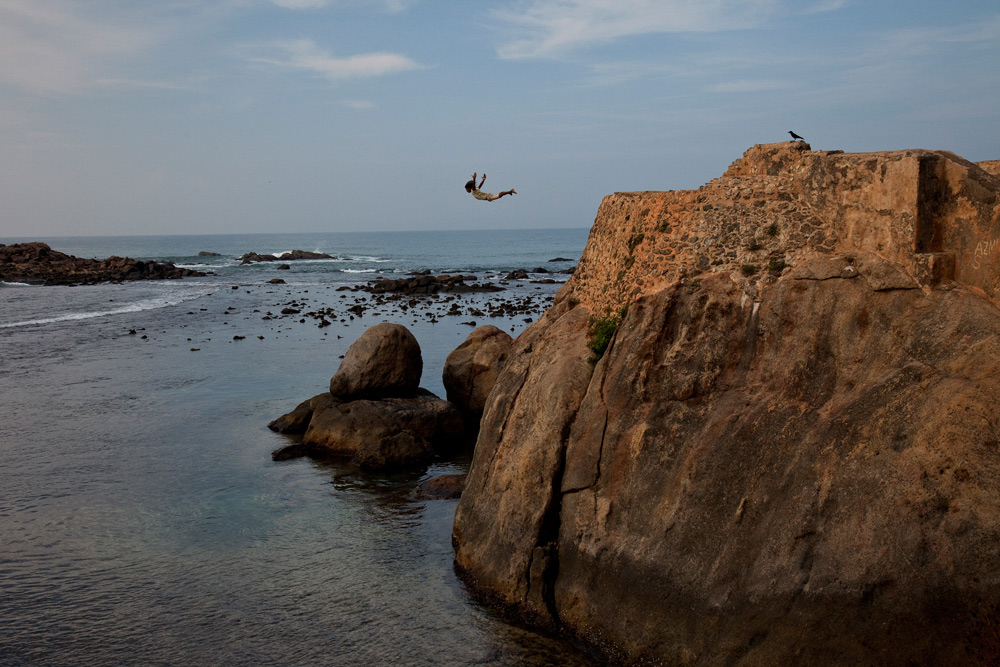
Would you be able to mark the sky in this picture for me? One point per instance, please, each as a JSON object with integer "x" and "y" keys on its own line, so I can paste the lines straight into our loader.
{"x": 120, "y": 117}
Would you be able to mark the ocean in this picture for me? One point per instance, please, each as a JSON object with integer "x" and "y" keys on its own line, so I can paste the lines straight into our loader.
{"x": 142, "y": 520}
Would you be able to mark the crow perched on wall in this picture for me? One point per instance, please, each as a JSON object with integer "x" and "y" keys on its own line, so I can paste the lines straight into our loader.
{"x": 795, "y": 136}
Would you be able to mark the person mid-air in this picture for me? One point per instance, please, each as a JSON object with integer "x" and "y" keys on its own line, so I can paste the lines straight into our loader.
{"x": 485, "y": 196}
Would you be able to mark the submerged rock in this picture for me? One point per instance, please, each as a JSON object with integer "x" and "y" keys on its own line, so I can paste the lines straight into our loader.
{"x": 443, "y": 487}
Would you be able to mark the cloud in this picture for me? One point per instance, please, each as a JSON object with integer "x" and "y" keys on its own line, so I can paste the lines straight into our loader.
{"x": 546, "y": 28}
{"x": 49, "y": 47}
{"x": 304, "y": 54}
{"x": 358, "y": 105}
{"x": 391, "y": 6}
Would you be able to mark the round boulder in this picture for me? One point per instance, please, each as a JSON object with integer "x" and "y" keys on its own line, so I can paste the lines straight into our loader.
{"x": 385, "y": 361}
{"x": 472, "y": 368}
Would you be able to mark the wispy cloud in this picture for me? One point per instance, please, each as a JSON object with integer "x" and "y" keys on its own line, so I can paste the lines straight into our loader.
{"x": 545, "y": 28}
{"x": 52, "y": 47}
{"x": 304, "y": 54}
{"x": 387, "y": 5}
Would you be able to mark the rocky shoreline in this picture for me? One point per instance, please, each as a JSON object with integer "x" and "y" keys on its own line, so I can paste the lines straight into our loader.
{"x": 37, "y": 264}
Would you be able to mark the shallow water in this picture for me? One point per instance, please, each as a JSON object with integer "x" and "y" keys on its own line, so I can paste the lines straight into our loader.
{"x": 144, "y": 522}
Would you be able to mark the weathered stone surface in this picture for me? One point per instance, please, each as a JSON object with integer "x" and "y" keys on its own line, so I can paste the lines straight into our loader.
{"x": 518, "y": 455}
{"x": 384, "y": 361}
{"x": 37, "y": 263}
{"x": 785, "y": 202}
{"x": 471, "y": 369}
{"x": 793, "y": 469}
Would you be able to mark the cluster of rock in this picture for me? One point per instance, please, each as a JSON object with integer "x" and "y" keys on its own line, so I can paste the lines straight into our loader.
{"x": 37, "y": 263}
{"x": 377, "y": 416}
{"x": 787, "y": 466}
{"x": 424, "y": 283}
{"x": 252, "y": 257}
{"x": 525, "y": 274}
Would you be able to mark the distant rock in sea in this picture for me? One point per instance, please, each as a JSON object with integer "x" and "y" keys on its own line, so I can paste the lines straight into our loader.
{"x": 251, "y": 257}
{"x": 36, "y": 263}
{"x": 206, "y": 253}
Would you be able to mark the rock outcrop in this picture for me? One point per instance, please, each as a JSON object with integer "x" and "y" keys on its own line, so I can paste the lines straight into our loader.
{"x": 375, "y": 414}
{"x": 788, "y": 453}
{"x": 38, "y": 264}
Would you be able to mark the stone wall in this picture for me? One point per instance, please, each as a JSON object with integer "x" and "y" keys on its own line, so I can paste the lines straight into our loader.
{"x": 931, "y": 212}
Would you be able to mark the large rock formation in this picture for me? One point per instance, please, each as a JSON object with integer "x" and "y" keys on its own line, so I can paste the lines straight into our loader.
{"x": 789, "y": 452}
{"x": 38, "y": 264}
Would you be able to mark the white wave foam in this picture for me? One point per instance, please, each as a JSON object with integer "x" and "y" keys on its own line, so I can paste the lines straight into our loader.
{"x": 138, "y": 306}
{"x": 368, "y": 258}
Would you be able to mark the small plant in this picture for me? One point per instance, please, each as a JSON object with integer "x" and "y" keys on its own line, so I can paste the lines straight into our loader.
{"x": 776, "y": 266}
{"x": 754, "y": 245}
{"x": 601, "y": 331}
{"x": 749, "y": 269}
{"x": 635, "y": 240}
{"x": 772, "y": 229}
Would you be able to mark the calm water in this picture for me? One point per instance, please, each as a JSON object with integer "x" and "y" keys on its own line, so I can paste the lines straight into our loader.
{"x": 142, "y": 519}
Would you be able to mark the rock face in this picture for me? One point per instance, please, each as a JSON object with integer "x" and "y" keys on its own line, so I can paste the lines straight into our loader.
{"x": 786, "y": 466}
{"x": 384, "y": 361}
{"x": 37, "y": 263}
{"x": 375, "y": 415}
{"x": 471, "y": 369}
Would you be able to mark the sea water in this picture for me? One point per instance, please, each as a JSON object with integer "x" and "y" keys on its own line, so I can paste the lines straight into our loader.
{"x": 142, "y": 520}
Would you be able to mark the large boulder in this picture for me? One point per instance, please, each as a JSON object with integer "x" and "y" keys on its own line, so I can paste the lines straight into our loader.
{"x": 374, "y": 434}
{"x": 384, "y": 361}
{"x": 471, "y": 369}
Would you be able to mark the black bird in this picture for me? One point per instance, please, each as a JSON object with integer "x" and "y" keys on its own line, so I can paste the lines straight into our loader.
{"x": 795, "y": 136}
